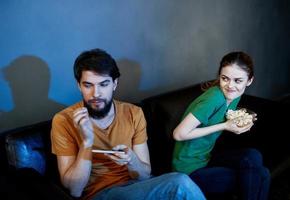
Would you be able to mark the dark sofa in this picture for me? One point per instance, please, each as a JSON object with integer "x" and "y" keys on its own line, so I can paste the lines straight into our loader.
{"x": 26, "y": 156}
{"x": 28, "y": 169}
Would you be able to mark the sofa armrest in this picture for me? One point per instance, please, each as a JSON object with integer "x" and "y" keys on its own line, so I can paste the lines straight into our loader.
{"x": 26, "y": 150}
{"x": 30, "y": 147}
{"x": 32, "y": 167}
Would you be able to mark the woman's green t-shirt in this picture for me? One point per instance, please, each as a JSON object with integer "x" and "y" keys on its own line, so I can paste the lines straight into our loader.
{"x": 209, "y": 108}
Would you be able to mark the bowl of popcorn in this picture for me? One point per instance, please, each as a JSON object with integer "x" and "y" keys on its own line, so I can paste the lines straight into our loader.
{"x": 241, "y": 116}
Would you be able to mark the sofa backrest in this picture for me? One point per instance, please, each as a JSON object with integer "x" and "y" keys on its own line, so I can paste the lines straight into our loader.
{"x": 30, "y": 146}
{"x": 163, "y": 113}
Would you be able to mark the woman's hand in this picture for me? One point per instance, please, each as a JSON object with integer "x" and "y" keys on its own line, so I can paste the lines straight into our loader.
{"x": 83, "y": 123}
{"x": 232, "y": 126}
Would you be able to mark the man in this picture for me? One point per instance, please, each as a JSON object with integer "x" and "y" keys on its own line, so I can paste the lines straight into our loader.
{"x": 101, "y": 123}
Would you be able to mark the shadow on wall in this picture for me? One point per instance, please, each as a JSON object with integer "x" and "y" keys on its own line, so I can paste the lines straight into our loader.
{"x": 28, "y": 78}
{"x": 128, "y": 86}
{"x": 129, "y": 82}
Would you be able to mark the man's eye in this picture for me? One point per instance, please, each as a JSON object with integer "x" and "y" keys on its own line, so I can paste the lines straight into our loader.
{"x": 104, "y": 84}
{"x": 239, "y": 81}
{"x": 87, "y": 85}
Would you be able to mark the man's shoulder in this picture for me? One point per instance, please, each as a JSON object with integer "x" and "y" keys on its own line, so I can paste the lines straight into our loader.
{"x": 126, "y": 108}
{"x": 127, "y": 105}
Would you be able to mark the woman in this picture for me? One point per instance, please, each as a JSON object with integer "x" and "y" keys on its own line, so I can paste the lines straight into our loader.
{"x": 239, "y": 171}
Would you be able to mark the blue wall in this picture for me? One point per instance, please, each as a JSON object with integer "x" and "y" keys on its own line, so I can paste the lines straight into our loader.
{"x": 159, "y": 46}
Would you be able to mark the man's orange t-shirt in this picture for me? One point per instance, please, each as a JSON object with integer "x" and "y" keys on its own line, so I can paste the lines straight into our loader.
{"x": 128, "y": 128}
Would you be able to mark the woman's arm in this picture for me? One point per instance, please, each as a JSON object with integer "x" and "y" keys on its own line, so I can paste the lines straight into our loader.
{"x": 187, "y": 129}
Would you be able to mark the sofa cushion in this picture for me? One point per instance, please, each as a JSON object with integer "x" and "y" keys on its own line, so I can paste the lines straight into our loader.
{"x": 28, "y": 184}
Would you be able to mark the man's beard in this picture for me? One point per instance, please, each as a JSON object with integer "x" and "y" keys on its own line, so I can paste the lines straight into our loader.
{"x": 98, "y": 114}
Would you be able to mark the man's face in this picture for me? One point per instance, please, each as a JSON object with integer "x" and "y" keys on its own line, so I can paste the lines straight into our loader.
{"x": 97, "y": 91}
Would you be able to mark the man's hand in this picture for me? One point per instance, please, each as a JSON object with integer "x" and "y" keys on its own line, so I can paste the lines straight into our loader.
{"x": 122, "y": 158}
{"x": 83, "y": 123}
{"x": 136, "y": 159}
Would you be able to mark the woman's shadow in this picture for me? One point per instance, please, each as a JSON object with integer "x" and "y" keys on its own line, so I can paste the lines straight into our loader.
{"x": 28, "y": 78}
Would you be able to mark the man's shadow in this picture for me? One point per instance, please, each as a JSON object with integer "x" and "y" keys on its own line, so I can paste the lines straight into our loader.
{"x": 129, "y": 83}
{"x": 28, "y": 78}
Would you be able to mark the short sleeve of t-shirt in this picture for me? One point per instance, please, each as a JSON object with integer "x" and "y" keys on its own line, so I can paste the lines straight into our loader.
{"x": 62, "y": 142}
{"x": 206, "y": 104}
{"x": 140, "y": 127}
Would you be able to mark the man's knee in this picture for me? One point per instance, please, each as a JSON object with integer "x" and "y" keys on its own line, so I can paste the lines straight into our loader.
{"x": 183, "y": 180}
{"x": 187, "y": 187}
{"x": 177, "y": 177}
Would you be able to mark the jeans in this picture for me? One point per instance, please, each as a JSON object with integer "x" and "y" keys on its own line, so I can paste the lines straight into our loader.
{"x": 238, "y": 171}
{"x": 165, "y": 187}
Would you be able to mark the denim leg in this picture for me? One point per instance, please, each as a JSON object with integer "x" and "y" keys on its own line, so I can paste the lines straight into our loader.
{"x": 238, "y": 170}
{"x": 171, "y": 186}
{"x": 255, "y": 183}
{"x": 254, "y": 177}
{"x": 215, "y": 180}
{"x": 265, "y": 183}
{"x": 236, "y": 159}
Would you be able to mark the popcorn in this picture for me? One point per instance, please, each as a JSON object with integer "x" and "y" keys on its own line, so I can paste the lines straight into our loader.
{"x": 241, "y": 117}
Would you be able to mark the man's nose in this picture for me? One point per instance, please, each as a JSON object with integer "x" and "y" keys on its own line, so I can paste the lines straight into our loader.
{"x": 97, "y": 92}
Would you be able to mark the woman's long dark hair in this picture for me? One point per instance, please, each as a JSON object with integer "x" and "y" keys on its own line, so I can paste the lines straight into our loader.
{"x": 243, "y": 60}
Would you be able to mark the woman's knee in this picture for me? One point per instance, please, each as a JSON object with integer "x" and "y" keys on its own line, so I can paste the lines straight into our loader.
{"x": 265, "y": 174}
{"x": 252, "y": 159}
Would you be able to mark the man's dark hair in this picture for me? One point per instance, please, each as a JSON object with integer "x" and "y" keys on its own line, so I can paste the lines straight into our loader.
{"x": 98, "y": 61}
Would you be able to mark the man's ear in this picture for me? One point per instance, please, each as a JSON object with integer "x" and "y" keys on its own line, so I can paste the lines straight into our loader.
{"x": 115, "y": 82}
{"x": 250, "y": 81}
{"x": 79, "y": 86}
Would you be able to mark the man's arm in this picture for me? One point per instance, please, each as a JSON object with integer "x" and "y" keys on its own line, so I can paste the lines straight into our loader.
{"x": 75, "y": 171}
{"x": 140, "y": 161}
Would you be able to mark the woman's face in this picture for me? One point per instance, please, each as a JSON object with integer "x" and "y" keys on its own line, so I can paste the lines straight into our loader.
{"x": 233, "y": 82}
